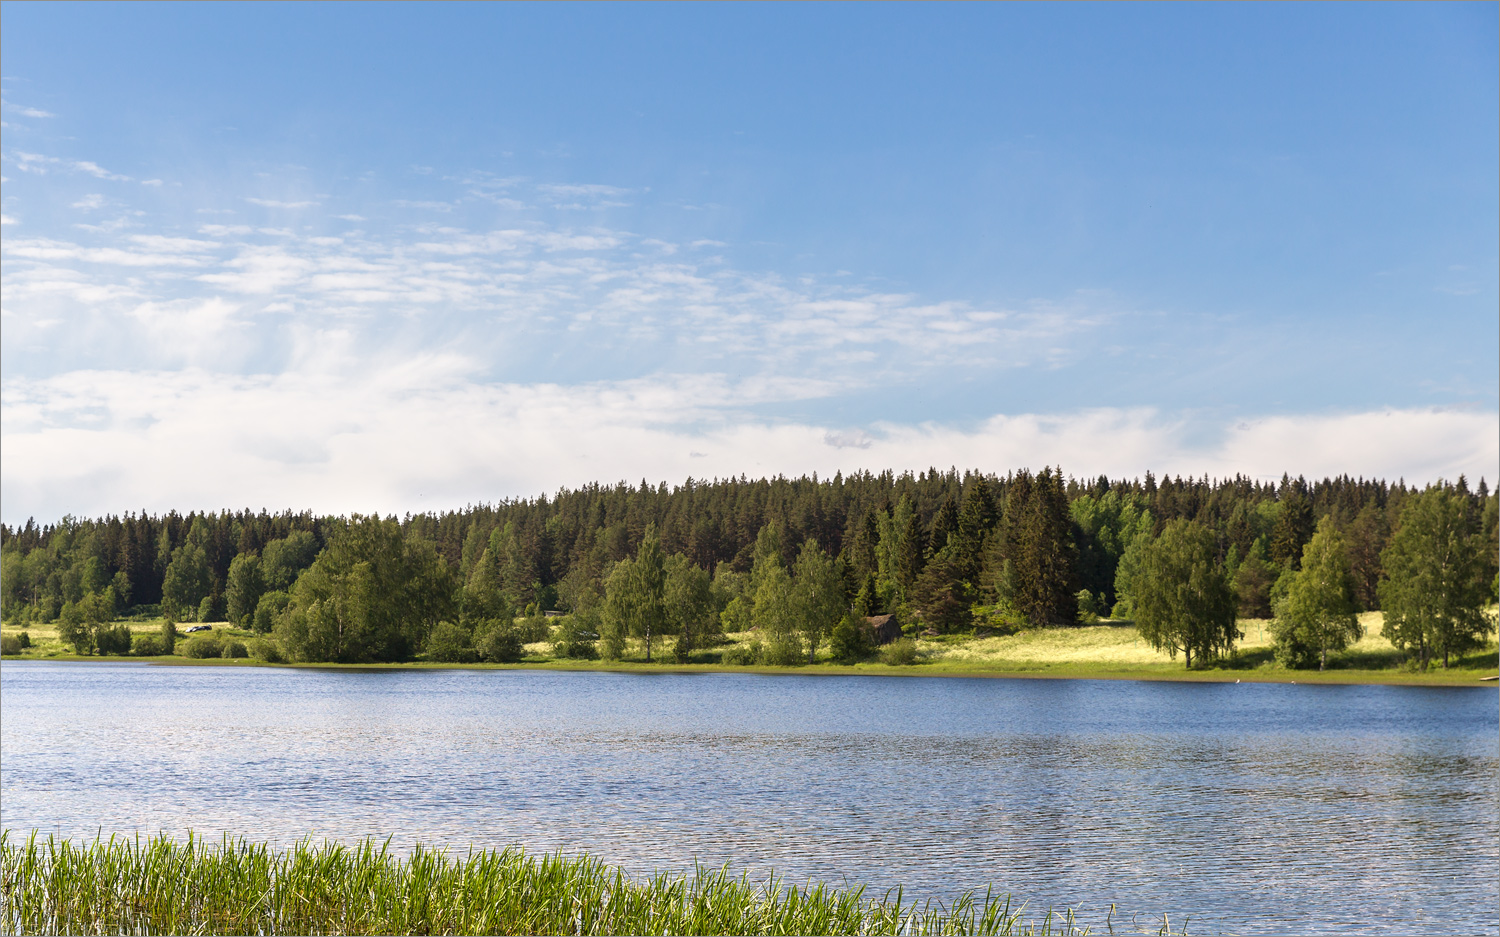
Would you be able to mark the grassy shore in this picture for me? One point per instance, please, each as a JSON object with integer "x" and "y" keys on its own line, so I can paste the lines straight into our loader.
{"x": 1107, "y": 650}
{"x": 158, "y": 886}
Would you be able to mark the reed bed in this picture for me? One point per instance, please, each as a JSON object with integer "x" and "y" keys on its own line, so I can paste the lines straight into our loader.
{"x": 161, "y": 886}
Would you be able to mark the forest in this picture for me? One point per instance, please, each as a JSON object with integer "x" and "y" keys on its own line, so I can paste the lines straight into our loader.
{"x": 805, "y": 563}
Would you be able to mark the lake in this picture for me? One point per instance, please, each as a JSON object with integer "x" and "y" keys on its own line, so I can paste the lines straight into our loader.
{"x": 1245, "y": 808}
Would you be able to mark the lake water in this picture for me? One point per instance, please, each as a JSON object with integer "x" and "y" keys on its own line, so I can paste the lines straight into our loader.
{"x": 1247, "y": 808}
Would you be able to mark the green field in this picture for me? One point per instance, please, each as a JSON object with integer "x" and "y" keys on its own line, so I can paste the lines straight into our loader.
{"x": 1108, "y": 650}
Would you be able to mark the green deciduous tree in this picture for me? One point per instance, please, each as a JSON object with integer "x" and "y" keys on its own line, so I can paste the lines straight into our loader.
{"x": 284, "y": 559}
{"x": 1317, "y": 615}
{"x": 1182, "y": 600}
{"x": 1433, "y": 599}
{"x": 187, "y": 583}
{"x": 243, "y": 588}
{"x": 818, "y": 598}
{"x": 689, "y": 605}
{"x": 373, "y": 594}
{"x": 634, "y": 597}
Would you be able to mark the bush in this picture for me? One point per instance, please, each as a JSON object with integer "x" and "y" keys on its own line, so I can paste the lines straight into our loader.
{"x": 784, "y": 650}
{"x": 533, "y": 628}
{"x": 1289, "y": 650}
{"x": 850, "y": 642}
{"x": 202, "y": 646}
{"x": 499, "y": 642}
{"x": 145, "y": 645}
{"x": 168, "y": 637}
{"x": 1090, "y": 607}
{"x": 574, "y": 640}
{"x": 25, "y": 639}
{"x": 899, "y": 653}
{"x": 449, "y": 644}
{"x": 112, "y": 639}
{"x": 236, "y": 649}
{"x": 265, "y": 649}
{"x": 10, "y": 645}
{"x": 743, "y": 655}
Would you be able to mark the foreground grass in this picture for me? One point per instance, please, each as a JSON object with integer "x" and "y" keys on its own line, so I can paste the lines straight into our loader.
{"x": 158, "y": 886}
{"x": 1106, "y": 650}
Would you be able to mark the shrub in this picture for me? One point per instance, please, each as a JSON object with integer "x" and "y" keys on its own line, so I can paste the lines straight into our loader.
{"x": 743, "y": 655}
{"x": 112, "y": 639}
{"x": 533, "y": 628}
{"x": 25, "y": 639}
{"x": 449, "y": 644}
{"x": 784, "y": 650}
{"x": 574, "y": 640}
{"x": 202, "y": 646}
{"x": 1090, "y": 607}
{"x": 850, "y": 642}
{"x": 10, "y": 645}
{"x": 1290, "y": 650}
{"x": 168, "y": 637}
{"x": 900, "y": 652}
{"x": 497, "y": 641}
{"x": 235, "y": 649}
{"x": 145, "y": 645}
{"x": 265, "y": 649}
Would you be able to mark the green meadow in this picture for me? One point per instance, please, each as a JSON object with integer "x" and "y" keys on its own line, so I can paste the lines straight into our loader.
{"x": 1110, "y": 650}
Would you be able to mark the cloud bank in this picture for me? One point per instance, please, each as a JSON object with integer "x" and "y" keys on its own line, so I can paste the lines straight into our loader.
{"x": 416, "y": 435}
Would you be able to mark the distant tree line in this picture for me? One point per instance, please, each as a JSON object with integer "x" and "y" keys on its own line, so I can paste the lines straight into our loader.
{"x": 803, "y": 561}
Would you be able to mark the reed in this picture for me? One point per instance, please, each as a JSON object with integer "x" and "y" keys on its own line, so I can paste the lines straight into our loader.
{"x": 233, "y": 886}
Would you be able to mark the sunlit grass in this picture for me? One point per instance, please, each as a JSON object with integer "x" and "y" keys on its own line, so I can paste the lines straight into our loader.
{"x": 158, "y": 886}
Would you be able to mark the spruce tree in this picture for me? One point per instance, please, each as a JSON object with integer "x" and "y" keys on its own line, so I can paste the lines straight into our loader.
{"x": 1041, "y": 552}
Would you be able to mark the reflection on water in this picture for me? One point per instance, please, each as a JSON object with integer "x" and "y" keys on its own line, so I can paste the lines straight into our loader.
{"x": 1249, "y": 808}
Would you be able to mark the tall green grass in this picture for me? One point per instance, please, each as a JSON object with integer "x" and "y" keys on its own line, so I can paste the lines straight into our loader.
{"x": 160, "y": 886}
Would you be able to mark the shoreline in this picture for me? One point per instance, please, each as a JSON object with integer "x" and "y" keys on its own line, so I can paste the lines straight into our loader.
{"x": 1342, "y": 677}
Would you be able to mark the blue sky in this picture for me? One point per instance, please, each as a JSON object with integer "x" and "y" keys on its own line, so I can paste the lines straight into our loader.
{"x": 402, "y": 257}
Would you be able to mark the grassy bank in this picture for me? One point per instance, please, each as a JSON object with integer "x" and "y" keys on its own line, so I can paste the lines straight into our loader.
{"x": 157, "y": 886}
{"x": 1107, "y": 650}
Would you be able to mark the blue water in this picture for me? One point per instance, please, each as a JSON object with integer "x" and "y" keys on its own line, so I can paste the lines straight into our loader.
{"x": 1243, "y": 808}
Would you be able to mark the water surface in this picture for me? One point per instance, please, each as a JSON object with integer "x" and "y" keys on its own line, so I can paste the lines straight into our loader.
{"x": 1249, "y": 808}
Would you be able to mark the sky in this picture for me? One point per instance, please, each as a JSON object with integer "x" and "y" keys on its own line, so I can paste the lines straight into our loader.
{"x": 405, "y": 257}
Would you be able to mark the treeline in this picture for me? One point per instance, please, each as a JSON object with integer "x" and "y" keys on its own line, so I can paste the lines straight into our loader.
{"x": 803, "y": 560}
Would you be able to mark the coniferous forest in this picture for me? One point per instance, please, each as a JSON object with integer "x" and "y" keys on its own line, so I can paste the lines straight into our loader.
{"x": 809, "y": 564}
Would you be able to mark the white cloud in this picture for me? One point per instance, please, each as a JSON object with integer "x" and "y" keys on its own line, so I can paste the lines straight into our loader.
{"x": 62, "y": 251}
{"x": 90, "y": 202}
{"x": 7, "y": 219}
{"x": 582, "y": 191}
{"x": 274, "y": 203}
{"x": 33, "y": 112}
{"x": 97, "y": 171}
{"x": 420, "y": 432}
{"x": 31, "y": 162}
{"x": 151, "y": 182}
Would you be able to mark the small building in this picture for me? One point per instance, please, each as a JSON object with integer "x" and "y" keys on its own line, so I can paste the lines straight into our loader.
{"x": 883, "y": 628}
